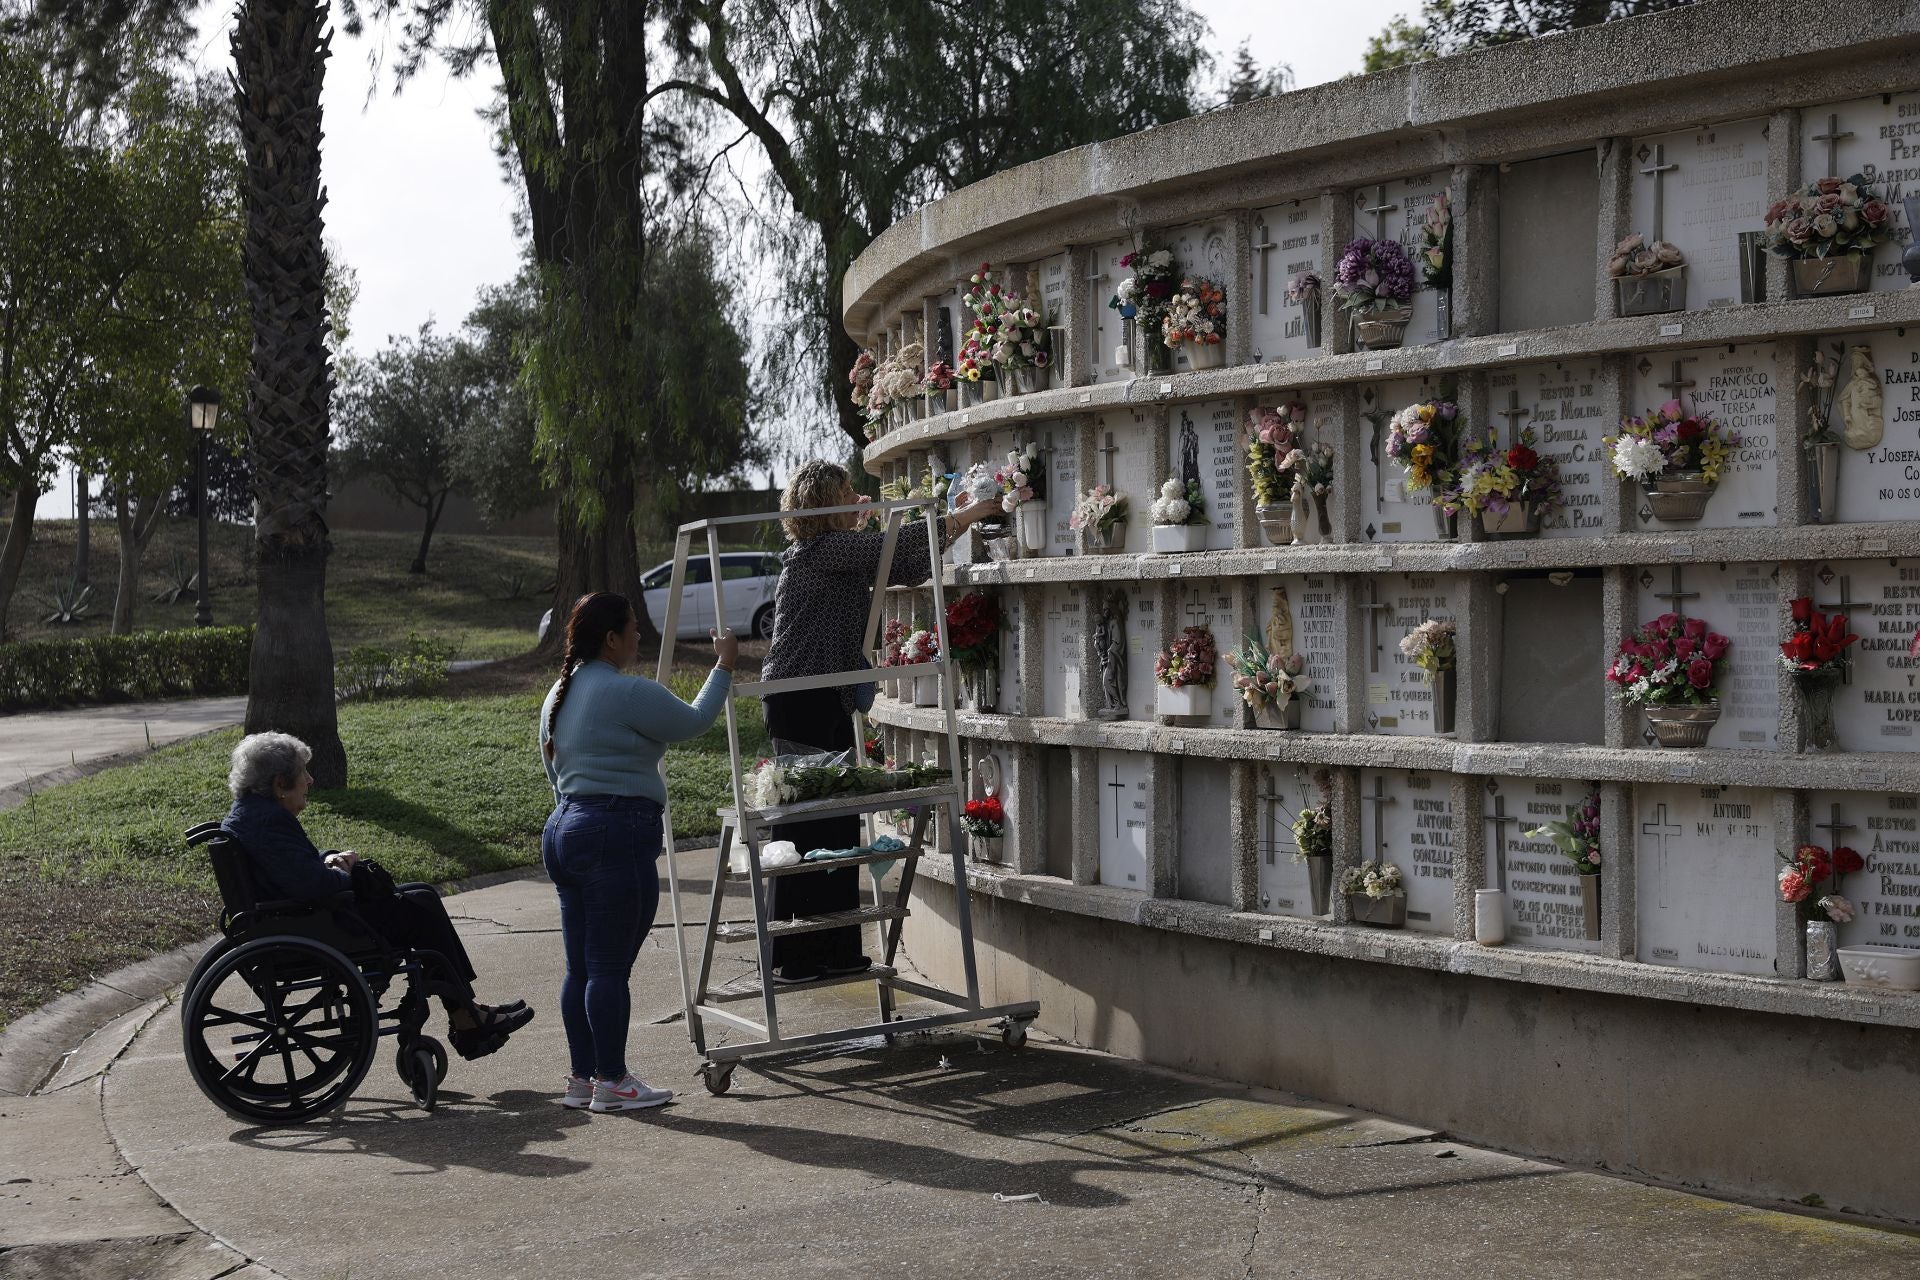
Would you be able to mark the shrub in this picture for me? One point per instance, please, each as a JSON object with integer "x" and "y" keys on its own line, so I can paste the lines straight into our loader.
{"x": 416, "y": 666}
{"x": 148, "y": 664}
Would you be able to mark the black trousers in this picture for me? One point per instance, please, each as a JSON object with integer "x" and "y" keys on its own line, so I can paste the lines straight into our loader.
{"x": 815, "y": 718}
{"x": 414, "y": 917}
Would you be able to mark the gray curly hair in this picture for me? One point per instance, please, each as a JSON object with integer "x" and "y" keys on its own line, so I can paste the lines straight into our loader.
{"x": 259, "y": 758}
{"x": 816, "y": 484}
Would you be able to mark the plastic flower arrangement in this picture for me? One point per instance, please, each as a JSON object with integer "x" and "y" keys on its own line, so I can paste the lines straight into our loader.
{"x": 1319, "y": 469}
{"x": 1818, "y": 641}
{"x": 1811, "y": 878}
{"x": 1577, "y": 836}
{"x": 1635, "y": 257}
{"x": 861, "y": 376}
{"x": 939, "y": 377}
{"x": 1021, "y": 479}
{"x": 1264, "y": 679}
{"x": 1313, "y": 831}
{"x": 1197, "y": 314}
{"x": 1179, "y": 504}
{"x": 1303, "y": 287}
{"x": 1100, "y": 509}
{"x": 1424, "y": 439}
{"x": 1430, "y": 645}
{"x": 893, "y": 637}
{"x": 1671, "y": 661}
{"x": 1828, "y": 217}
{"x": 1275, "y": 453}
{"x": 1670, "y": 440}
{"x": 1436, "y": 243}
{"x": 1189, "y": 660}
{"x": 1374, "y": 275}
{"x": 1148, "y": 291}
{"x": 971, "y": 364}
{"x": 1372, "y": 880}
{"x": 1006, "y": 330}
{"x": 973, "y": 625}
{"x": 1490, "y": 479}
{"x": 1822, "y": 378}
{"x": 985, "y": 818}
{"x": 921, "y": 645}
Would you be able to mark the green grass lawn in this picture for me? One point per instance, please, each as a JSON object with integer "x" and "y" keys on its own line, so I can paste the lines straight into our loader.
{"x": 93, "y": 874}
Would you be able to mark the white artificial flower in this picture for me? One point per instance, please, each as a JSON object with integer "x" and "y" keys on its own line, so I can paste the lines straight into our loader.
{"x": 1637, "y": 458}
{"x": 1160, "y": 257}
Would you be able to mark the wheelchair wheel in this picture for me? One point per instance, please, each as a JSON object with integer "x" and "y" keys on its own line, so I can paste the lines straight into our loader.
{"x": 422, "y": 1064}
{"x": 279, "y": 1030}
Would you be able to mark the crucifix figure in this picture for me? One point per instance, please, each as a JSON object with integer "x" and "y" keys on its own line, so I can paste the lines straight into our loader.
{"x": 1119, "y": 788}
{"x": 1189, "y": 450}
{"x": 1833, "y": 827}
{"x": 1095, "y": 278}
{"x": 943, "y": 330}
{"x": 1272, "y": 799}
{"x": 1499, "y": 818}
{"x": 1380, "y": 210}
{"x": 1676, "y": 596}
{"x": 1658, "y": 170}
{"x": 1379, "y": 418}
{"x": 1659, "y": 828}
{"x": 1379, "y": 800}
{"x": 1264, "y": 248}
{"x": 1833, "y": 138}
{"x": 1677, "y": 384}
{"x": 1374, "y": 607}
{"x": 1110, "y": 448}
{"x": 1845, "y": 606}
{"x": 1513, "y": 413}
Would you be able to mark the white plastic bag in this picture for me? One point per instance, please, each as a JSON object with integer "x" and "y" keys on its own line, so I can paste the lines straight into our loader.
{"x": 775, "y": 853}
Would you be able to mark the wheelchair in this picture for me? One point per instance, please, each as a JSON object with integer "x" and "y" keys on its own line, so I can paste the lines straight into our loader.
{"x": 281, "y": 1019}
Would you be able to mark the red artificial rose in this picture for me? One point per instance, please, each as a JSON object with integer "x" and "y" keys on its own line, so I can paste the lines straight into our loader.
{"x": 1846, "y": 861}
{"x": 1803, "y": 610}
{"x": 1814, "y": 862}
{"x": 1694, "y": 629}
{"x": 1521, "y": 458}
{"x": 1664, "y": 623}
{"x": 1827, "y": 186}
{"x": 1874, "y": 212}
{"x": 1798, "y": 647}
{"x": 1159, "y": 288}
{"x": 1714, "y": 645}
{"x": 1690, "y": 429}
{"x": 1699, "y": 673}
{"x": 1683, "y": 648}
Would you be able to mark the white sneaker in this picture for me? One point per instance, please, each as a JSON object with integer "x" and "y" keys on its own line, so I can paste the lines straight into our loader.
{"x": 629, "y": 1093}
{"x": 579, "y": 1093}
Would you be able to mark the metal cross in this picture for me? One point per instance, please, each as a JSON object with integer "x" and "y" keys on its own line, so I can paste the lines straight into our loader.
{"x": 1833, "y": 138}
{"x": 1500, "y": 818}
{"x": 1198, "y": 615}
{"x": 1676, "y": 595}
{"x": 1834, "y": 827}
{"x": 1679, "y": 382}
{"x": 1265, "y": 248}
{"x": 1379, "y": 800}
{"x": 1662, "y": 830}
{"x": 1272, "y": 797}
{"x": 1373, "y": 608}
{"x": 1380, "y": 211}
{"x": 1658, "y": 171}
{"x": 1846, "y": 604}
{"x": 1110, "y": 449}
{"x": 1121, "y": 787}
{"x": 1379, "y": 418}
{"x": 1512, "y": 413}
{"x": 1097, "y": 278}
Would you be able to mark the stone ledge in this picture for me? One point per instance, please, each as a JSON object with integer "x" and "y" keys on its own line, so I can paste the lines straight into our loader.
{"x": 1783, "y": 770}
{"x": 1752, "y": 322}
{"x": 1792, "y": 997}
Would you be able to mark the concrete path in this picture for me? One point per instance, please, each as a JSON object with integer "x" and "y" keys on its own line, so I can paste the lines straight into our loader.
{"x": 923, "y": 1159}
{"x": 41, "y": 748}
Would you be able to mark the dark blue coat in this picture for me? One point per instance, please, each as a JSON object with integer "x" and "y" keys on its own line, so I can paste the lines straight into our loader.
{"x": 285, "y": 864}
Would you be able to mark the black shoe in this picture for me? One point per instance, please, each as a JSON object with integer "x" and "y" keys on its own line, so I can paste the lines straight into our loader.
{"x": 788, "y": 975}
{"x": 859, "y": 964}
{"x": 493, "y": 1028}
{"x": 510, "y": 1007}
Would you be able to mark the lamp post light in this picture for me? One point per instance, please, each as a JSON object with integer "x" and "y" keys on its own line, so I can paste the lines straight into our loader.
{"x": 203, "y": 414}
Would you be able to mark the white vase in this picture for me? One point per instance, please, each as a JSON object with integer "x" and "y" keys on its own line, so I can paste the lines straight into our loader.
{"x": 926, "y": 691}
{"x": 1172, "y": 539}
{"x": 1489, "y": 917}
{"x": 1187, "y": 700}
{"x": 1206, "y": 355}
{"x": 1033, "y": 525}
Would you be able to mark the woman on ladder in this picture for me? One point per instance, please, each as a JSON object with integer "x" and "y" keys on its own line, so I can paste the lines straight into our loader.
{"x": 819, "y": 625}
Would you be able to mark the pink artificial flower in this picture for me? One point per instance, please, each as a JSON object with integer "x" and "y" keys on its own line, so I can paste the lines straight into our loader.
{"x": 1838, "y": 909}
{"x": 1672, "y": 409}
{"x": 1793, "y": 885}
{"x": 1874, "y": 212}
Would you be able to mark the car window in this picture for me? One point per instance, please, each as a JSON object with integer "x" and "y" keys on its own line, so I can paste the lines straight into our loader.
{"x": 699, "y": 571}
{"x": 732, "y": 570}
{"x": 770, "y": 566}
{"x": 659, "y": 578}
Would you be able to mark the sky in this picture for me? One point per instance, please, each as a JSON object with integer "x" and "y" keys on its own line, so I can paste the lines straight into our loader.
{"x": 419, "y": 208}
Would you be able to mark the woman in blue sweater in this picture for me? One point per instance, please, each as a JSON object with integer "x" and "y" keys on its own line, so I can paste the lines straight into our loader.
{"x": 602, "y": 735}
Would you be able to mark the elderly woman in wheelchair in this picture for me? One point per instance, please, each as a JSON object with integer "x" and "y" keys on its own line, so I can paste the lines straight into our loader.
{"x": 282, "y": 1015}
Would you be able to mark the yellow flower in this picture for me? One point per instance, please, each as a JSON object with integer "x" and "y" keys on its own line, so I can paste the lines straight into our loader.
{"x": 1422, "y": 454}
{"x": 1426, "y": 413}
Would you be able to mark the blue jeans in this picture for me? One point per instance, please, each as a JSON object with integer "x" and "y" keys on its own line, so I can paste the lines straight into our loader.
{"x": 599, "y": 852}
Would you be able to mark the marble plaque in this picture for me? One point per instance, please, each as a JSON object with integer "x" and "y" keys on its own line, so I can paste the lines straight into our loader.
{"x": 1885, "y": 831}
{"x": 1323, "y": 426}
{"x": 1283, "y": 791}
{"x": 1879, "y": 139}
{"x": 1064, "y": 625}
{"x": 1313, "y": 612}
{"x": 1143, "y": 647}
{"x": 1101, "y": 331}
{"x": 1399, "y": 695}
{"x": 1406, "y": 201}
{"x": 1060, "y": 447}
{"x": 1208, "y": 602}
{"x": 1719, "y": 189}
{"x": 1013, "y": 605}
{"x": 1125, "y": 814}
{"x": 1389, "y": 512}
{"x": 1047, "y": 281}
{"x": 1206, "y": 841}
{"x": 1543, "y": 889}
{"x": 1205, "y": 249}
{"x": 1878, "y": 708}
{"x": 1881, "y": 481}
{"x": 1740, "y": 601}
{"x": 1564, "y": 404}
{"x": 988, "y": 768}
{"x": 1204, "y": 445}
{"x": 1704, "y": 869}
{"x": 1735, "y": 385}
{"x": 1286, "y": 243}
{"x": 1124, "y": 457}
{"x": 1413, "y": 829}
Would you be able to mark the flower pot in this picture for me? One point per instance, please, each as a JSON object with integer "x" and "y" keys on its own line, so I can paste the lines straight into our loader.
{"x": 1381, "y": 330}
{"x": 970, "y": 393}
{"x": 1104, "y": 540}
{"x": 1443, "y": 686}
{"x": 926, "y": 691}
{"x": 1322, "y": 513}
{"x": 1382, "y": 913}
{"x": 1172, "y": 539}
{"x": 1310, "y": 319}
{"x": 1187, "y": 700}
{"x": 1032, "y": 378}
{"x": 936, "y": 402}
{"x": 1159, "y": 355}
{"x": 1276, "y": 522}
{"x": 1890, "y": 968}
{"x": 1489, "y": 917}
{"x": 983, "y": 689}
{"x": 989, "y": 390}
{"x": 1678, "y": 496}
{"x": 1320, "y": 881}
{"x": 1840, "y": 273}
{"x": 987, "y": 848}
{"x": 1443, "y": 311}
{"x": 1277, "y": 717}
{"x": 1031, "y": 516}
{"x": 1521, "y": 520}
{"x": 1683, "y": 726}
{"x": 1823, "y": 462}
{"x": 1823, "y": 944}
{"x": 1817, "y": 689}
{"x": 1651, "y": 295}
{"x": 1590, "y": 905}
{"x": 1446, "y": 524}
{"x": 1206, "y": 355}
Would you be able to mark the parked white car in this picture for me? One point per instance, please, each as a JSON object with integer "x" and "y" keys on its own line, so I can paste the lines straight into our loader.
{"x": 748, "y": 577}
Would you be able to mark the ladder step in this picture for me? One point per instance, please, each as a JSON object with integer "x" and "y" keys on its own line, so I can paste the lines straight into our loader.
{"x": 811, "y": 924}
{"x": 747, "y": 986}
{"x": 867, "y": 802}
{"x": 834, "y": 864}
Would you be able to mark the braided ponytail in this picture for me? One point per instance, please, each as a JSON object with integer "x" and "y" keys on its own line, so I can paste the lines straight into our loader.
{"x": 594, "y": 618}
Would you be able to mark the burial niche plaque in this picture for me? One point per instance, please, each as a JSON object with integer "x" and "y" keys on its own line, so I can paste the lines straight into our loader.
{"x": 1544, "y": 891}
{"x": 1704, "y": 868}
{"x": 1879, "y": 139}
{"x": 1400, "y": 698}
{"x": 1390, "y": 512}
{"x": 1567, "y": 409}
{"x": 1701, "y": 189}
{"x": 1204, "y": 445}
{"x": 1206, "y": 250}
{"x": 1879, "y": 386}
{"x": 1103, "y": 333}
{"x": 1878, "y": 708}
{"x": 1734, "y": 385}
{"x": 1125, "y": 815}
{"x": 1063, "y": 624}
{"x": 1286, "y": 244}
{"x": 1124, "y": 457}
{"x": 1206, "y": 842}
{"x": 1884, "y": 829}
{"x": 1741, "y": 602}
{"x": 1285, "y": 888}
{"x": 1307, "y": 609}
{"x": 1409, "y": 817}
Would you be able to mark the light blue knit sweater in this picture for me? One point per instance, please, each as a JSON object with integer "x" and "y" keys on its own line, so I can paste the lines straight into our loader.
{"x": 613, "y": 729}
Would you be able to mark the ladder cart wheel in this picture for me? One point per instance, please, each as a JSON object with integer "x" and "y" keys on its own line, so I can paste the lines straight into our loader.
{"x": 717, "y": 1076}
{"x": 1014, "y": 1034}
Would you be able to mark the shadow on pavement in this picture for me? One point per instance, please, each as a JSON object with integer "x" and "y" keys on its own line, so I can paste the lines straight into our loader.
{"x": 488, "y": 1134}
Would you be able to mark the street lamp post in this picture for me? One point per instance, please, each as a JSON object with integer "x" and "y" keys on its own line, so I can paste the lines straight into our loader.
{"x": 203, "y": 414}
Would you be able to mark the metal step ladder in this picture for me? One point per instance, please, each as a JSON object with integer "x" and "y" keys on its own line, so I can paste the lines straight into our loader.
{"x": 742, "y": 824}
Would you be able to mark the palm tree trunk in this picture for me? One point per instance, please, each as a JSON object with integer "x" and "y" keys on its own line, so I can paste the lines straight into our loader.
{"x": 280, "y": 50}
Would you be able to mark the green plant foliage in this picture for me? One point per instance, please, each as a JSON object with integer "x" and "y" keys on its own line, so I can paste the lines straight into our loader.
{"x": 148, "y": 664}
{"x": 415, "y": 667}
